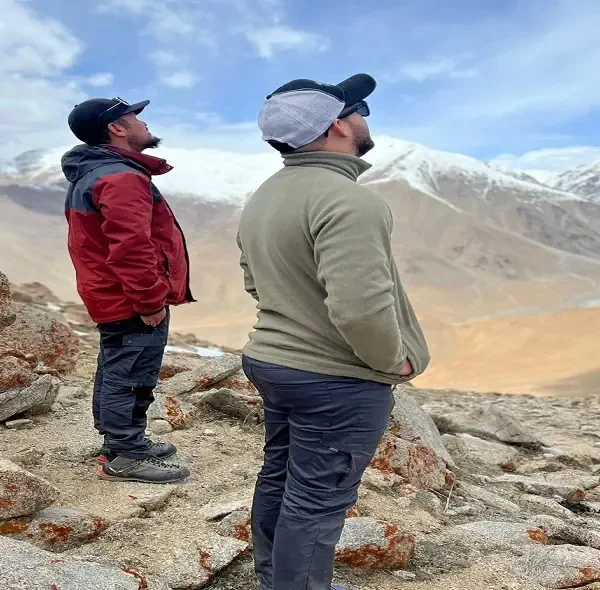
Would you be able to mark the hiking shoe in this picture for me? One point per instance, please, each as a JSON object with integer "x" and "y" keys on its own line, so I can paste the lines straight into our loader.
{"x": 161, "y": 450}
{"x": 147, "y": 470}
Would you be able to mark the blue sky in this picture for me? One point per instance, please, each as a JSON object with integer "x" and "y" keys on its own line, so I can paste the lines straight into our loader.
{"x": 515, "y": 80}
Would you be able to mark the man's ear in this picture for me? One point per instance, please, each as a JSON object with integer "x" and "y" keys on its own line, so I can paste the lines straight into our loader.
{"x": 341, "y": 128}
{"x": 117, "y": 128}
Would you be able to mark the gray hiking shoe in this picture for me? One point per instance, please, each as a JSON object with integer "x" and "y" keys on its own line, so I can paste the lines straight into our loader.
{"x": 148, "y": 470}
{"x": 161, "y": 450}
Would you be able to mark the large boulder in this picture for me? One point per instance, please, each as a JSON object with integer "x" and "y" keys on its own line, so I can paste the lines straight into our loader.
{"x": 570, "y": 485}
{"x": 368, "y": 543}
{"x": 22, "y": 493}
{"x": 417, "y": 463}
{"x": 487, "y": 422}
{"x": 411, "y": 423}
{"x": 55, "y": 529}
{"x": 37, "y": 398}
{"x": 24, "y": 566}
{"x": 207, "y": 372}
{"x": 558, "y": 566}
{"x": 468, "y": 450}
{"x": 190, "y": 566}
{"x": 7, "y": 314}
{"x": 39, "y": 338}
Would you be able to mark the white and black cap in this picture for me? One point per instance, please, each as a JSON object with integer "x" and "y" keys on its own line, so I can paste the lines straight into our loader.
{"x": 302, "y": 110}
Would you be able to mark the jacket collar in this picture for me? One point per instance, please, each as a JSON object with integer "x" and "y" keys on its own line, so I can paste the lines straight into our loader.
{"x": 345, "y": 164}
{"x": 152, "y": 165}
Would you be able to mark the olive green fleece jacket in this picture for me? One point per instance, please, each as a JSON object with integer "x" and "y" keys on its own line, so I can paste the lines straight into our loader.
{"x": 317, "y": 256}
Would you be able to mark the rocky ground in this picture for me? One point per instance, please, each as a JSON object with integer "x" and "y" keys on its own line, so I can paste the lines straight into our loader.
{"x": 467, "y": 491}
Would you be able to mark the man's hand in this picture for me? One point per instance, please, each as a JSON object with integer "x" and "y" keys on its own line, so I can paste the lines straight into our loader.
{"x": 406, "y": 369}
{"x": 154, "y": 319}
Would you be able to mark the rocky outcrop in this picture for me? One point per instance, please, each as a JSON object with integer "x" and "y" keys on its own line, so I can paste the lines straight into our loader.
{"x": 368, "y": 543}
{"x": 22, "y": 493}
{"x": 39, "y": 338}
{"x": 34, "y": 348}
{"x": 55, "y": 529}
{"x": 25, "y": 566}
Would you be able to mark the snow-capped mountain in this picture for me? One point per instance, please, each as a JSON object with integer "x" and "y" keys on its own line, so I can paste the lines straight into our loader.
{"x": 583, "y": 181}
{"x": 430, "y": 171}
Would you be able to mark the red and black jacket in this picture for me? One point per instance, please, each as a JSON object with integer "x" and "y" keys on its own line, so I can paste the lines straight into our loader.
{"x": 127, "y": 248}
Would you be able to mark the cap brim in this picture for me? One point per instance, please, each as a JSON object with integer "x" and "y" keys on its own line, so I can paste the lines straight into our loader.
{"x": 357, "y": 88}
{"x": 137, "y": 108}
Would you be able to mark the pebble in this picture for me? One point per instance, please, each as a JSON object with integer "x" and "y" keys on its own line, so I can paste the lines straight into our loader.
{"x": 404, "y": 575}
{"x": 19, "y": 424}
{"x": 160, "y": 427}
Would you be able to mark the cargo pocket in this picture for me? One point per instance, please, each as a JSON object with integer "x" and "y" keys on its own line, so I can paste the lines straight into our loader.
{"x": 341, "y": 461}
{"x": 145, "y": 351}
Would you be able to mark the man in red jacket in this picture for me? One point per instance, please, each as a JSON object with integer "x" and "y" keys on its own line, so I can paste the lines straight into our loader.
{"x": 131, "y": 264}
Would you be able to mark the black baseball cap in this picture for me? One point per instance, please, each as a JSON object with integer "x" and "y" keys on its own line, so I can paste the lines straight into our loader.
{"x": 89, "y": 119}
{"x": 302, "y": 110}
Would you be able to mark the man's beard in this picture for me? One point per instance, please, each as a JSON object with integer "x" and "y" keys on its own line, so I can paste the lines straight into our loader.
{"x": 150, "y": 143}
{"x": 363, "y": 144}
{"x": 153, "y": 142}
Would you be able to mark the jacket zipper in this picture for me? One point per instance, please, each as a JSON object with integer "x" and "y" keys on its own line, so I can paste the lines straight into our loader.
{"x": 188, "y": 291}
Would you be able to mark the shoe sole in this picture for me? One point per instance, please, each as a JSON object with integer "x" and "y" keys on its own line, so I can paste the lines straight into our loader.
{"x": 102, "y": 458}
{"x": 104, "y": 476}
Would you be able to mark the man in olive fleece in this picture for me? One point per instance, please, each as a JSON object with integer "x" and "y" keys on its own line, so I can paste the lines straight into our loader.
{"x": 335, "y": 328}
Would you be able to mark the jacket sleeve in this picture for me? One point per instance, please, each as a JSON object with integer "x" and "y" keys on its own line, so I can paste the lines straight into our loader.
{"x": 352, "y": 249}
{"x": 125, "y": 204}
{"x": 248, "y": 279}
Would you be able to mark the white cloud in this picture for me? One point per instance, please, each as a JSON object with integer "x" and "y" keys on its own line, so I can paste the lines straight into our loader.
{"x": 36, "y": 53}
{"x": 101, "y": 79}
{"x": 182, "y": 79}
{"x": 547, "y": 162}
{"x": 420, "y": 71}
{"x": 271, "y": 40}
{"x": 163, "y": 58}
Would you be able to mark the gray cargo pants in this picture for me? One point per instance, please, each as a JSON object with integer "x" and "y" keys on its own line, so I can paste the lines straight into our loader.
{"x": 321, "y": 433}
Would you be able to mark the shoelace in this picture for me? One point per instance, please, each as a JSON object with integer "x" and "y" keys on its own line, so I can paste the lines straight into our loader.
{"x": 159, "y": 462}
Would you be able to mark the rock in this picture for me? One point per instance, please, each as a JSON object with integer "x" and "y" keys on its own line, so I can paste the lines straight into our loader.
{"x": 500, "y": 535}
{"x": 417, "y": 463}
{"x": 154, "y": 500}
{"x": 211, "y": 370}
{"x": 380, "y": 480}
{"x": 566, "y": 484}
{"x": 72, "y": 392}
{"x": 39, "y": 338}
{"x": 177, "y": 362}
{"x": 7, "y": 314}
{"x": 487, "y": 422}
{"x": 541, "y": 505}
{"x": 193, "y": 565}
{"x": 368, "y": 543}
{"x": 460, "y": 546}
{"x": 576, "y": 533}
{"x": 28, "y": 456}
{"x": 236, "y": 404}
{"x": 214, "y": 511}
{"x": 37, "y": 398}
{"x": 466, "y": 448}
{"x": 466, "y": 510}
{"x": 22, "y": 424}
{"x": 84, "y": 451}
{"x": 23, "y": 566}
{"x": 55, "y": 529}
{"x": 488, "y": 498}
{"x": 412, "y": 424}
{"x": 558, "y": 566}
{"x": 404, "y": 576}
{"x": 22, "y": 493}
{"x": 179, "y": 414}
{"x": 15, "y": 373}
{"x": 240, "y": 383}
{"x": 160, "y": 427}
{"x": 429, "y": 502}
{"x": 237, "y": 525}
